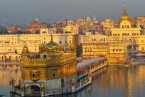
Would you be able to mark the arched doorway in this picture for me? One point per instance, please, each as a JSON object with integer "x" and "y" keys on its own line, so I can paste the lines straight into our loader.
{"x": 32, "y": 89}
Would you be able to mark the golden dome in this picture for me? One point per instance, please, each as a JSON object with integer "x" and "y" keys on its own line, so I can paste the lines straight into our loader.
{"x": 25, "y": 47}
{"x": 124, "y": 15}
{"x": 51, "y": 43}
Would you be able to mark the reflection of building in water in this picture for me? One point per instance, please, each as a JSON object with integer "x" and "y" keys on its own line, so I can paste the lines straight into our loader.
{"x": 6, "y": 75}
{"x": 138, "y": 78}
{"x": 127, "y": 80}
{"x": 9, "y": 57}
{"x": 50, "y": 70}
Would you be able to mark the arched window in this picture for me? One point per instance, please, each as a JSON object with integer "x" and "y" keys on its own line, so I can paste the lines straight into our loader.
{"x": 35, "y": 75}
{"x": 122, "y": 26}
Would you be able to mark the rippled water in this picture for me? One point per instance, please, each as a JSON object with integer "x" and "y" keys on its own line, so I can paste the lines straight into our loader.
{"x": 113, "y": 82}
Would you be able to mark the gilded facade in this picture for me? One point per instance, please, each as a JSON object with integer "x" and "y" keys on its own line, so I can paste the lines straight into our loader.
{"x": 53, "y": 68}
{"x": 92, "y": 50}
{"x": 116, "y": 46}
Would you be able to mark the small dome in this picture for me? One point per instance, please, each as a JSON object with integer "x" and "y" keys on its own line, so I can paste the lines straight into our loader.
{"x": 124, "y": 17}
{"x": 25, "y": 47}
{"x": 51, "y": 44}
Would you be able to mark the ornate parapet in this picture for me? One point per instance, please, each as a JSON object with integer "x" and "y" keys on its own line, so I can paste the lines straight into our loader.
{"x": 34, "y": 62}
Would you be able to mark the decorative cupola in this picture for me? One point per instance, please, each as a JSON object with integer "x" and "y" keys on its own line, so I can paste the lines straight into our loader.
{"x": 52, "y": 46}
{"x": 125, "y": 19}
{"x": 25, "y": 52}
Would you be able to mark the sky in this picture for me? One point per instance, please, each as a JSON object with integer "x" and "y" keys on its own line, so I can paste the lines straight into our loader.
{"x": 49, "y": 11}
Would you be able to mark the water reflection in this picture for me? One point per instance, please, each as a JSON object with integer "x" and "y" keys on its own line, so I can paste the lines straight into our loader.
{"x": 109, "y": 82}
{"x": 5, "y": 76}
{"x": 118, "y": 82}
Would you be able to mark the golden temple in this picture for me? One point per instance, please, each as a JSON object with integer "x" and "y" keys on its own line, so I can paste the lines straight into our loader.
{"x": 49, "y": 70}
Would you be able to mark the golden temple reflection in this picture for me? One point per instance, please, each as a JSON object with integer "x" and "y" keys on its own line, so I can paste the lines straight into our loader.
{"x": 122, "y": 81}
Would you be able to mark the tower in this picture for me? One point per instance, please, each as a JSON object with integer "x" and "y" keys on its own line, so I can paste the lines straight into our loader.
{"x": 125, "y": 19}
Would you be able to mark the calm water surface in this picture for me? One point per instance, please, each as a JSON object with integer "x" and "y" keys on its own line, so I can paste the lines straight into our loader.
{"x": 113, "y": 82}
{"x": 5, "y": 76}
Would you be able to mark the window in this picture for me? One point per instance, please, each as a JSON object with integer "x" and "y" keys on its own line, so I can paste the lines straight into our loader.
{"x": 44, "y": 32}
{"x": 59, "y": 42}
{"x": 35, "y": 75}
{"x": 53, "y": 75}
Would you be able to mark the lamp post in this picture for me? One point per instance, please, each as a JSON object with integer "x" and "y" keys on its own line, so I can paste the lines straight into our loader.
{"x": 22, "y": 87}
{"x": 42, "y": 90}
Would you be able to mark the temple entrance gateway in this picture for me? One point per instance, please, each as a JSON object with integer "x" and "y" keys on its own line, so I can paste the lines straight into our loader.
{"x": 32, "y": 89}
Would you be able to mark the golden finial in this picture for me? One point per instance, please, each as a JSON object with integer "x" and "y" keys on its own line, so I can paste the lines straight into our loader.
{"x": 36, "y": 19}
{"x": 51, "y": 37}
{"x": 124, "y": 7}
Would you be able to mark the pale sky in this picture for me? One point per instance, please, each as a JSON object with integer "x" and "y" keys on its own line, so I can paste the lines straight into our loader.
{"x": 24, "y": 11}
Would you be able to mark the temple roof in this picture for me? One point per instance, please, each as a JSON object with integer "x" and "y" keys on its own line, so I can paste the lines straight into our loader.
{"x": 51, "y": 43}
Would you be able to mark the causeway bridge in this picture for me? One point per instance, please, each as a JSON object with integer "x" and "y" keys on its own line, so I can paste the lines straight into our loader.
{"x": 90, "y": 66}
{"x": 137, "y": 56}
